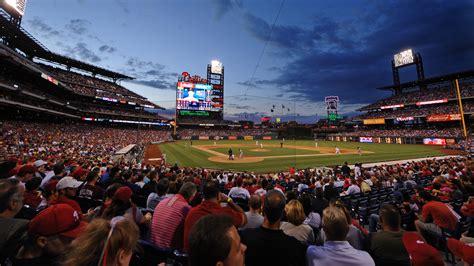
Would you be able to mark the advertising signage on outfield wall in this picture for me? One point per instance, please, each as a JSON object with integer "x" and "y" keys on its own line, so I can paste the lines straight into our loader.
{"x": 443, "y": 118}
{"x": 374, "y": 121}
{"x": 366, "y": 139}
{"x": 434, "y": 141}
{"x": 406, "y": 118}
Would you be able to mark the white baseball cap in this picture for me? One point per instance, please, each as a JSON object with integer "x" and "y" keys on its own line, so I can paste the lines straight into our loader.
{"x": 68, "y": 182}
{"x": 39, "y": 163}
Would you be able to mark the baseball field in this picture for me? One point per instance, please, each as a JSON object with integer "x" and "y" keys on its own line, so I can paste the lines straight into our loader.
{"x": 270, "y": 156}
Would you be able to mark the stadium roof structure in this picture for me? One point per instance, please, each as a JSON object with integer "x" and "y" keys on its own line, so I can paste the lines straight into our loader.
{"x": 19, "y": 38}
{"x": 432, "y": 80}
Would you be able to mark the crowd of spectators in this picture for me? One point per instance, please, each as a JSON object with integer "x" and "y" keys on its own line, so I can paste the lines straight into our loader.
{"x": 87, "y": 85}
{"x": 60, "y": 205}
{"x": 451, "y": 108}
{"x": 122, "y": 112}
{"x": 444, "y": 133}
{"x": 430, "y": 94}
{"x": 186, "y": 133}
{"x": 71, "y": 141}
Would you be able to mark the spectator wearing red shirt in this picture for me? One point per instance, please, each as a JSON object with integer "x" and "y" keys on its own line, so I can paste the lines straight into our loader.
{"x": 230, "y": 183}
{"x": 468, "y": 208}
{"x": 279, "y": 187}
{"x": 434, "y": 215}
{"x": 254, "y": 187}
{"x": 32, "y": 196}
{"x": 167, "y": 226}
{"x": 211, "y": 205}
{"x": 426, "y": 172}
{"x": 292, "y": 171}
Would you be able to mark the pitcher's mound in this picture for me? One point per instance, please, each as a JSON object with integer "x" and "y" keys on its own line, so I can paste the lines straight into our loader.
{"x": 260, "y": 150}
{"x": 223, "y": 159}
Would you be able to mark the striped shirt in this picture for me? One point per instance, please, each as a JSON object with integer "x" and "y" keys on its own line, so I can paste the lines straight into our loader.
{"x": 167, "y": 226}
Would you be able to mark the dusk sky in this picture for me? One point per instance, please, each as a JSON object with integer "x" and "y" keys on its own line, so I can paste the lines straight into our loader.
{"x": 316, "y": 48}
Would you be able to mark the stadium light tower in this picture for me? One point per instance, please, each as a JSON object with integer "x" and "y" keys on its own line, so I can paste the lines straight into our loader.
{"x": 16, "y": 9}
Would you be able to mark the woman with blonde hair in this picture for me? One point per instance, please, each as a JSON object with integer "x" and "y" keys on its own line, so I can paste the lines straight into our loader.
{"x": 105, "y": 243}
{"x": 295, "y": 227}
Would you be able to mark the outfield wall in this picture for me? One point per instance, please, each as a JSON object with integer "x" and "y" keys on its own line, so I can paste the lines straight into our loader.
{"x": 397, "y": 140}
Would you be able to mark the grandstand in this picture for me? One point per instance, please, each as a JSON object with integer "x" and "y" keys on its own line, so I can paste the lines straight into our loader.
{"x": 418, "y": 110}
{"x": 62, "y": 86}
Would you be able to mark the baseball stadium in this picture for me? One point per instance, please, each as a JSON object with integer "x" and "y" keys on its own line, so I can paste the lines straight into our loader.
{"x": 93, "y": 171}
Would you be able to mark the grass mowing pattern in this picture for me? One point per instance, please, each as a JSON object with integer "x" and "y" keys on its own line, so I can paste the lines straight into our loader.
{"x": 188, "y": 156}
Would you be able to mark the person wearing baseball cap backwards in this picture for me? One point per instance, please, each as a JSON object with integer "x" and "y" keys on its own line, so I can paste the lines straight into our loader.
{"x": 122, "y": 206}
{"x": 49, "y": 234}
{"x": 67, "y": 189}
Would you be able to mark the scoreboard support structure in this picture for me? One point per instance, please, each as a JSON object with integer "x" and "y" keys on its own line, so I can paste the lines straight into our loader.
{"x": 404, "y": 59}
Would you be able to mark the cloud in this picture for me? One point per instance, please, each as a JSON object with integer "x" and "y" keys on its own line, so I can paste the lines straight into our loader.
{"x": 40, "y": 27}
{"x": 159, "y": 84}
{"x": 107, "y": 49}
{"x": 78, "y": 26}
{"x": 123, "y": 4}
{"x": 222, "y": 7}
{"x": 240, "y": 107}
{"x": 81, "y": 51}
{"x": 351, "y": 57}
{"x": 137, "y": 63}
{"x": 150, "y": 73}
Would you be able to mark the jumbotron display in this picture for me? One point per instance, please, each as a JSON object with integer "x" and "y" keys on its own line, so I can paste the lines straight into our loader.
{"x": 196, "y": 97}
{"x": 404, "y": 58}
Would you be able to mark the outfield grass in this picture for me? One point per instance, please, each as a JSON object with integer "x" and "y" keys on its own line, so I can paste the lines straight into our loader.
{"x": 185, "y": 155}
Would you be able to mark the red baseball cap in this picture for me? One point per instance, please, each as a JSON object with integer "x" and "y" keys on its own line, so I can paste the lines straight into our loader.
{"x": 421, "y": 253}
{"x": 59, "y": 219}
{"x": 27, "y": 169}
{"x": 462, "y": 250}
{"x": 51, "y": 185}
{"x": 79, "y": 172}
{"x": 123, "y": 194}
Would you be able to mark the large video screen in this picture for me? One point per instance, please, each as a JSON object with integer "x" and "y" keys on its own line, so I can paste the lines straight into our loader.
{"x": 404, "y": 58}
{"x": 197, "y": 97}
